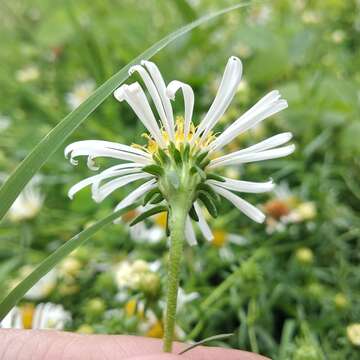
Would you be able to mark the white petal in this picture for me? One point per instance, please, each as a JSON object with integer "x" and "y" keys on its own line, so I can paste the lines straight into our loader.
{"x": 100, "y": 193}
{"x": 203, "y": 225}
{"x": 153, "y": 93}
{"x": 161, "y": 87}
{"x": 137, "y": 193}
{"x": 36, "y": 324}
{"x": 111, "y": 172}
{"x": 136, "y": 98}
{"x": 188, "y": 94}
{"x": 189, "y": 232}
{"x": 253, "y": 156}
{"x": 244, "y": 186}
{"x": 266, "y": 107}
{"x": 228, "y": 87}
{"x": 94, "y": 148}
{"x": 250, "y": 210}
{"x": 103, "y": 144}
{"x": 269, "y": 143}
{"x": 12, "y": 319}
{"x": 115, "y": 154}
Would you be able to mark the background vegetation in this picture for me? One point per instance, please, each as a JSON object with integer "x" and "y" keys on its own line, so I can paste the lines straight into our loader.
{"x": 288, "y": 289}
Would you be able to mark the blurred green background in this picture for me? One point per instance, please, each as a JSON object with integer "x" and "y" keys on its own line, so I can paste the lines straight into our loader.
{"x": 288, "y": 289}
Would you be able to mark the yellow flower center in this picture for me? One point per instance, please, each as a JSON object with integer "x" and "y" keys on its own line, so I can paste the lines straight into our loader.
{"x": 132, "y": 309}
{"x": 27, "y": 315}
{"x": 160, "y": 219}
{"x": 156, "y": 330}
{"x": 219, "y": 239}
{"x": 179, "y": 138}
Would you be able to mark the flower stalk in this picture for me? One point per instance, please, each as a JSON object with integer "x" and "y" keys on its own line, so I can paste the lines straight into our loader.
{"x": 177, "y": 214}
{"x": 178, "y": 186}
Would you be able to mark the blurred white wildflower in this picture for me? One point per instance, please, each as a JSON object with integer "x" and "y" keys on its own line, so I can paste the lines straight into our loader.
{"x": 80, "y": 92}
{"x": 311, "y": 17}
{"x": 353, "y": 333}
{"x": 338, "y": 36}
{"x": 70, "y": 266}
{"x": 27, "y": 74}
{"x": 286, "y": 208}
{"x": 260, "y": 15}
{"x": 173, "y": 136}
{"x": 141, "y": 232}
{"x": 184, "y": 298}
{"x": 28, "y": 203}
{"x": 43, "y": 287}
{"x": 4, "y": 122}
{"x": 223, "y": 238}
{"x": 42, "y": 316}
{"x": 152, "y": 326}
{"x": 138, "y": 275}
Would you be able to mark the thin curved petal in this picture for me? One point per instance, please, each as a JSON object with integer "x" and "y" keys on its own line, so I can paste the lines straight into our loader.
{"x": 136, "y": 98}
{"x": 253, "y": 156}
{"x": 203, "y": 225}
{"x": 189, "y": 232}
{"x": 228, "y": 87}
{"x": 267, "y": 144}
{"x": 244, "y": 186}
{"x": 100, "y": 193}
{"x": 153, "y": 93}
{"x": 115, "y": 154}
{"x": 266, "y": 107}
{"x": 249, "y": 210}
{"x": 188, "y": 94}
{"x": 99, "y": 144}
{"x": 136, "y": 194}
{"x": 108, "y": 173}
{"x": 161, "y": 87}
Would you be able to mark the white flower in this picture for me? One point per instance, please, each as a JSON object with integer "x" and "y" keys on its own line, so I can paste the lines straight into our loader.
{"x": 43, "y": 287}
{"x": 184, "y": 298}
{"x": 43, "y": 316}
{"x": 353, "y": 333}
{"x": 4, "y": 122}
{"x": 183, "y": 146}
{"x": 142, "y": 232}
{"x": 79, "y": 93}
{"x": 27, "y": 74}
{"x": 134, "y": 275}
{"x": 28, "y": 203}
{"x": 338, "y": 36}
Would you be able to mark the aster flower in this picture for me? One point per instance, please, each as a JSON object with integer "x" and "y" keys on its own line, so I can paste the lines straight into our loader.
{"x": 177, "y": 167}
{"x": 172, "y": 144}
{"x": 353, "y": 333}
{"x": 4, "y": 122}
{"x": 28, "y": 203}
{"x": 41, "y": 316}
{"x": 27, "y": 74}
{"x": 79, "y": 93}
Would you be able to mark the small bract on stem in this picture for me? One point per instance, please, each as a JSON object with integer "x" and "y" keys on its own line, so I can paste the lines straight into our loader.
{"x": 179, "y": 162}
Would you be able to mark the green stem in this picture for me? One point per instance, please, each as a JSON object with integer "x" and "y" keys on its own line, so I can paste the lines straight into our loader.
{"x": 178, "y": 212}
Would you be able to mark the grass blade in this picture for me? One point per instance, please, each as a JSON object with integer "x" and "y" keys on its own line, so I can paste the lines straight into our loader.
{"x": 46, "y": 265}
{"x": 204, "y": 341}
{"x": 57, "y": 136}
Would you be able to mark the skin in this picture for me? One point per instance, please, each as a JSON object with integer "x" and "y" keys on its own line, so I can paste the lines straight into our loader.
{"x": 54, "y": 345}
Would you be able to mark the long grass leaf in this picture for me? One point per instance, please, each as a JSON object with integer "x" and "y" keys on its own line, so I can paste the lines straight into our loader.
{"x": 57, "y": 136}
{"x": 46, "y": 265}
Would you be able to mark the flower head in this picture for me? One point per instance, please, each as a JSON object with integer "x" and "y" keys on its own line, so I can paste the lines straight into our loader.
{"x": 41, "y": 316}
{"x": 353, "y": 333}
{"x": 180, "y": 156}
{"x": 79, "y": 93}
